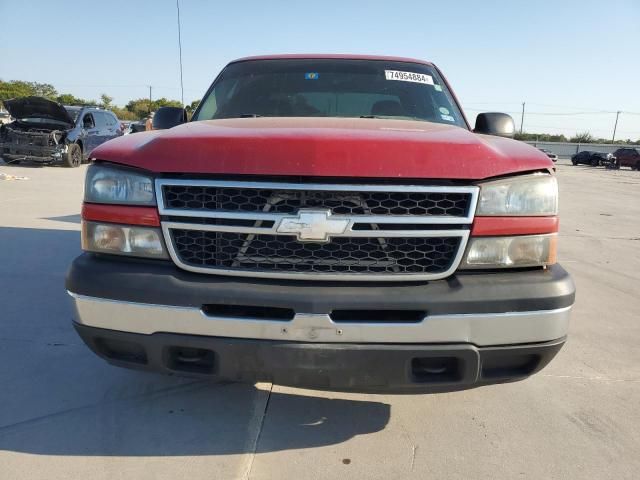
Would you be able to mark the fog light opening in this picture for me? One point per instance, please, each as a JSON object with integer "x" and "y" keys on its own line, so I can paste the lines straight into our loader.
{"x": 191, "y": 360}
{"x": 436, "y": 369}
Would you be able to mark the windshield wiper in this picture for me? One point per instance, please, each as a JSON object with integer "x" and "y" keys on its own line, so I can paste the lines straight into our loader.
{"x": 249, "y": 115}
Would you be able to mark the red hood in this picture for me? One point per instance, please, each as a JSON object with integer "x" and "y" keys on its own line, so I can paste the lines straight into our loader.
{"x": 325, "y": 147}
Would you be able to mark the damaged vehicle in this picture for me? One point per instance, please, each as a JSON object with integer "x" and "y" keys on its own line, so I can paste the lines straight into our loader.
{"x": 46, "y": 132}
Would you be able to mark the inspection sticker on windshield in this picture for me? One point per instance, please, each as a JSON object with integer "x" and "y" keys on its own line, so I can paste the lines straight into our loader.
{"x": 408, "y": 77}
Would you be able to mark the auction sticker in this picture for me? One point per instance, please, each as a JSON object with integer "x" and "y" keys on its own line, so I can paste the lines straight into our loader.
{"x": 408, "y": 77}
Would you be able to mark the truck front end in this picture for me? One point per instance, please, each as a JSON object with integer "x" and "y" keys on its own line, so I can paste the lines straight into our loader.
{"x": 346, "y": 242}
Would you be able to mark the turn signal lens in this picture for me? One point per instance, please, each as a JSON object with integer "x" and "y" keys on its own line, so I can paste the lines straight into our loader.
{"x": 145, "y": 240}
{"x": 123, "y": 240}
{"x": 108, "y": 237}
{"x": 511, "y": 252}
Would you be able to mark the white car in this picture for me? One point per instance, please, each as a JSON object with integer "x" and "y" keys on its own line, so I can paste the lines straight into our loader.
{"x": 4, "y": 117}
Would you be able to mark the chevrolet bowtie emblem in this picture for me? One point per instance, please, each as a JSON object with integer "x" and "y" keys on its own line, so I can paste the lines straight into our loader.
{"x": 313, "y": 225}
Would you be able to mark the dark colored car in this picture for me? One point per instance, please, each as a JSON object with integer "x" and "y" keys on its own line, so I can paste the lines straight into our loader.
{"x": 628, "y": 157}
{"x": 592, "y": 158}
{"x": 47, "y": 132}
{"x": 137, "y": 127}
{"x": 549, "y": 154}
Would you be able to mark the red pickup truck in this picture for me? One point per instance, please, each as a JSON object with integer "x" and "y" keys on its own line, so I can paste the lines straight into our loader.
{"x": 328, "y": 222}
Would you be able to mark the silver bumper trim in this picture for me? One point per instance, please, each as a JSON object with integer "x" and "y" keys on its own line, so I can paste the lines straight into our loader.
{"x": 480, "y": 329}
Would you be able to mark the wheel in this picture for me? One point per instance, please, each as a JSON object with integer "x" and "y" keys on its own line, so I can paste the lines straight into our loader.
{"x": 595, "y": 162}
{"x": 73, "y": 158}
{"x": 575, "y": 162}
{"x": 637, "y": 166}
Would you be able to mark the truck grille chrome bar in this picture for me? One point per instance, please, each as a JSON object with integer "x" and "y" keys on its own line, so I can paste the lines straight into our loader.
{"x": 316, "y": 231}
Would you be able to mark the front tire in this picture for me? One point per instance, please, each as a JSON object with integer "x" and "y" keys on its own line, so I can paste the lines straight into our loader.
{"x": 73, "y": 158}
{"x": 575, "y": 162}
{"x": 595, "y": 162}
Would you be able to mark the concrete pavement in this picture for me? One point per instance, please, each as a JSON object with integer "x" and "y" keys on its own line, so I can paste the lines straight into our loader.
{"x": 66, "y": 414}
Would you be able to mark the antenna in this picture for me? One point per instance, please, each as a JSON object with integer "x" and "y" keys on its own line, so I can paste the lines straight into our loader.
{"x": 180, "y": 50}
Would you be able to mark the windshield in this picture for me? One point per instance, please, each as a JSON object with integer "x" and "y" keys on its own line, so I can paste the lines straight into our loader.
{"x": 73, "y": 112}
{"x": 330, "y": 88}
{"x": 42, "y": 119}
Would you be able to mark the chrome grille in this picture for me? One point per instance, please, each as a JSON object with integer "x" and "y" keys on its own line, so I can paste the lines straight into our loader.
{"x": 282, "y": 253}
{"x": 269, "y": 229}
{"x": 205, "y": 198}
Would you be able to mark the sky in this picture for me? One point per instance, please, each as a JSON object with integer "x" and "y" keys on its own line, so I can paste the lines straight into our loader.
{"x": 573, "y": 62}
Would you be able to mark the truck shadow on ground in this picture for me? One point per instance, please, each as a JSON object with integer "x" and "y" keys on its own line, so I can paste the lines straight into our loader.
{"x": 66, "y": 218}
{"x": 57, "y": 398}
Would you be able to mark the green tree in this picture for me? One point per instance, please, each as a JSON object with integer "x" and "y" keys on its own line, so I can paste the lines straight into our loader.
{"x": 141, "y": 107}
{"x": 540, "y": 137}
{"x": 68, "y": 99}
{"x": 19, "y": 88}
{"x": 583, "y": 137}
{"x": 44, "y": 90}
{"x": 192, "y": 106}
{"x": 105, "y": 100}
{"x": 123, "y": 113}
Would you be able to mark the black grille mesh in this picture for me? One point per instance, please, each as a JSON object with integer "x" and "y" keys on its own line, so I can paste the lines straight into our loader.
{"x": 204, "y": 198}
{"x": 282, "y": 253}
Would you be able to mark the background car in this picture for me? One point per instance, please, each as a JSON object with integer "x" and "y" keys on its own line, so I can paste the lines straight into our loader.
{"x": 628, "y": 157}
{"x": 588, "y": 157}
{"x": 47, "y": 132}
{"x": 136, "y": 127}
{"x": 124, "y": 126}
{"x": 549, "y": 154}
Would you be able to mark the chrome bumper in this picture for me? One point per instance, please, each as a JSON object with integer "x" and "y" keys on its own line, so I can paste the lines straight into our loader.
{"x": 485, "y": 329}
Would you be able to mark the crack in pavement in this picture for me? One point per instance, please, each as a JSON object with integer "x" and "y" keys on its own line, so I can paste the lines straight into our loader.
{"x": 156, "y": 393}
{"x": 256, "y": 438}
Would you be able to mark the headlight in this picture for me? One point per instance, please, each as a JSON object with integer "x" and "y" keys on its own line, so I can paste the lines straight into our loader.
{"x": 528, "y": 195}
{"x": 123, "y": 240}
{"x": 511, "y": 252}
{"x": 113, "y": 185}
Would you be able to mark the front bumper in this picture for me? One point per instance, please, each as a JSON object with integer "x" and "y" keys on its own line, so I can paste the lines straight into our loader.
{"x": 33, "y": 153}
{"x": 477, "y": 327}
{"x": 397, "y": 368}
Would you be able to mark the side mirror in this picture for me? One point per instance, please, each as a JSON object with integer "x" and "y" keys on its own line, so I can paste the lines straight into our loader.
{"x": 169, "y": 117}
{"x": 493, "y": 123}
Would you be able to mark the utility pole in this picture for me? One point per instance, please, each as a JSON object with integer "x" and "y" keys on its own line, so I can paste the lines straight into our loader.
{"x": 522, "y": 118}
{"x": 180, "y": 50}
{"x": 150, "y": 87}
{"x": 615, "y": 127}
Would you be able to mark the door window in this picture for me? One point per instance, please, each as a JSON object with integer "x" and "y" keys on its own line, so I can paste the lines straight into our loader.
{"x": 87, "y": 121}
{"x": 110, "y": 119}
{"x": 101, "y": 121}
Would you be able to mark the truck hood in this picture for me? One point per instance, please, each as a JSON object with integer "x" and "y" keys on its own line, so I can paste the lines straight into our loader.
{"x": 324, "y": 147}
{"x": 40, "y": 107}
